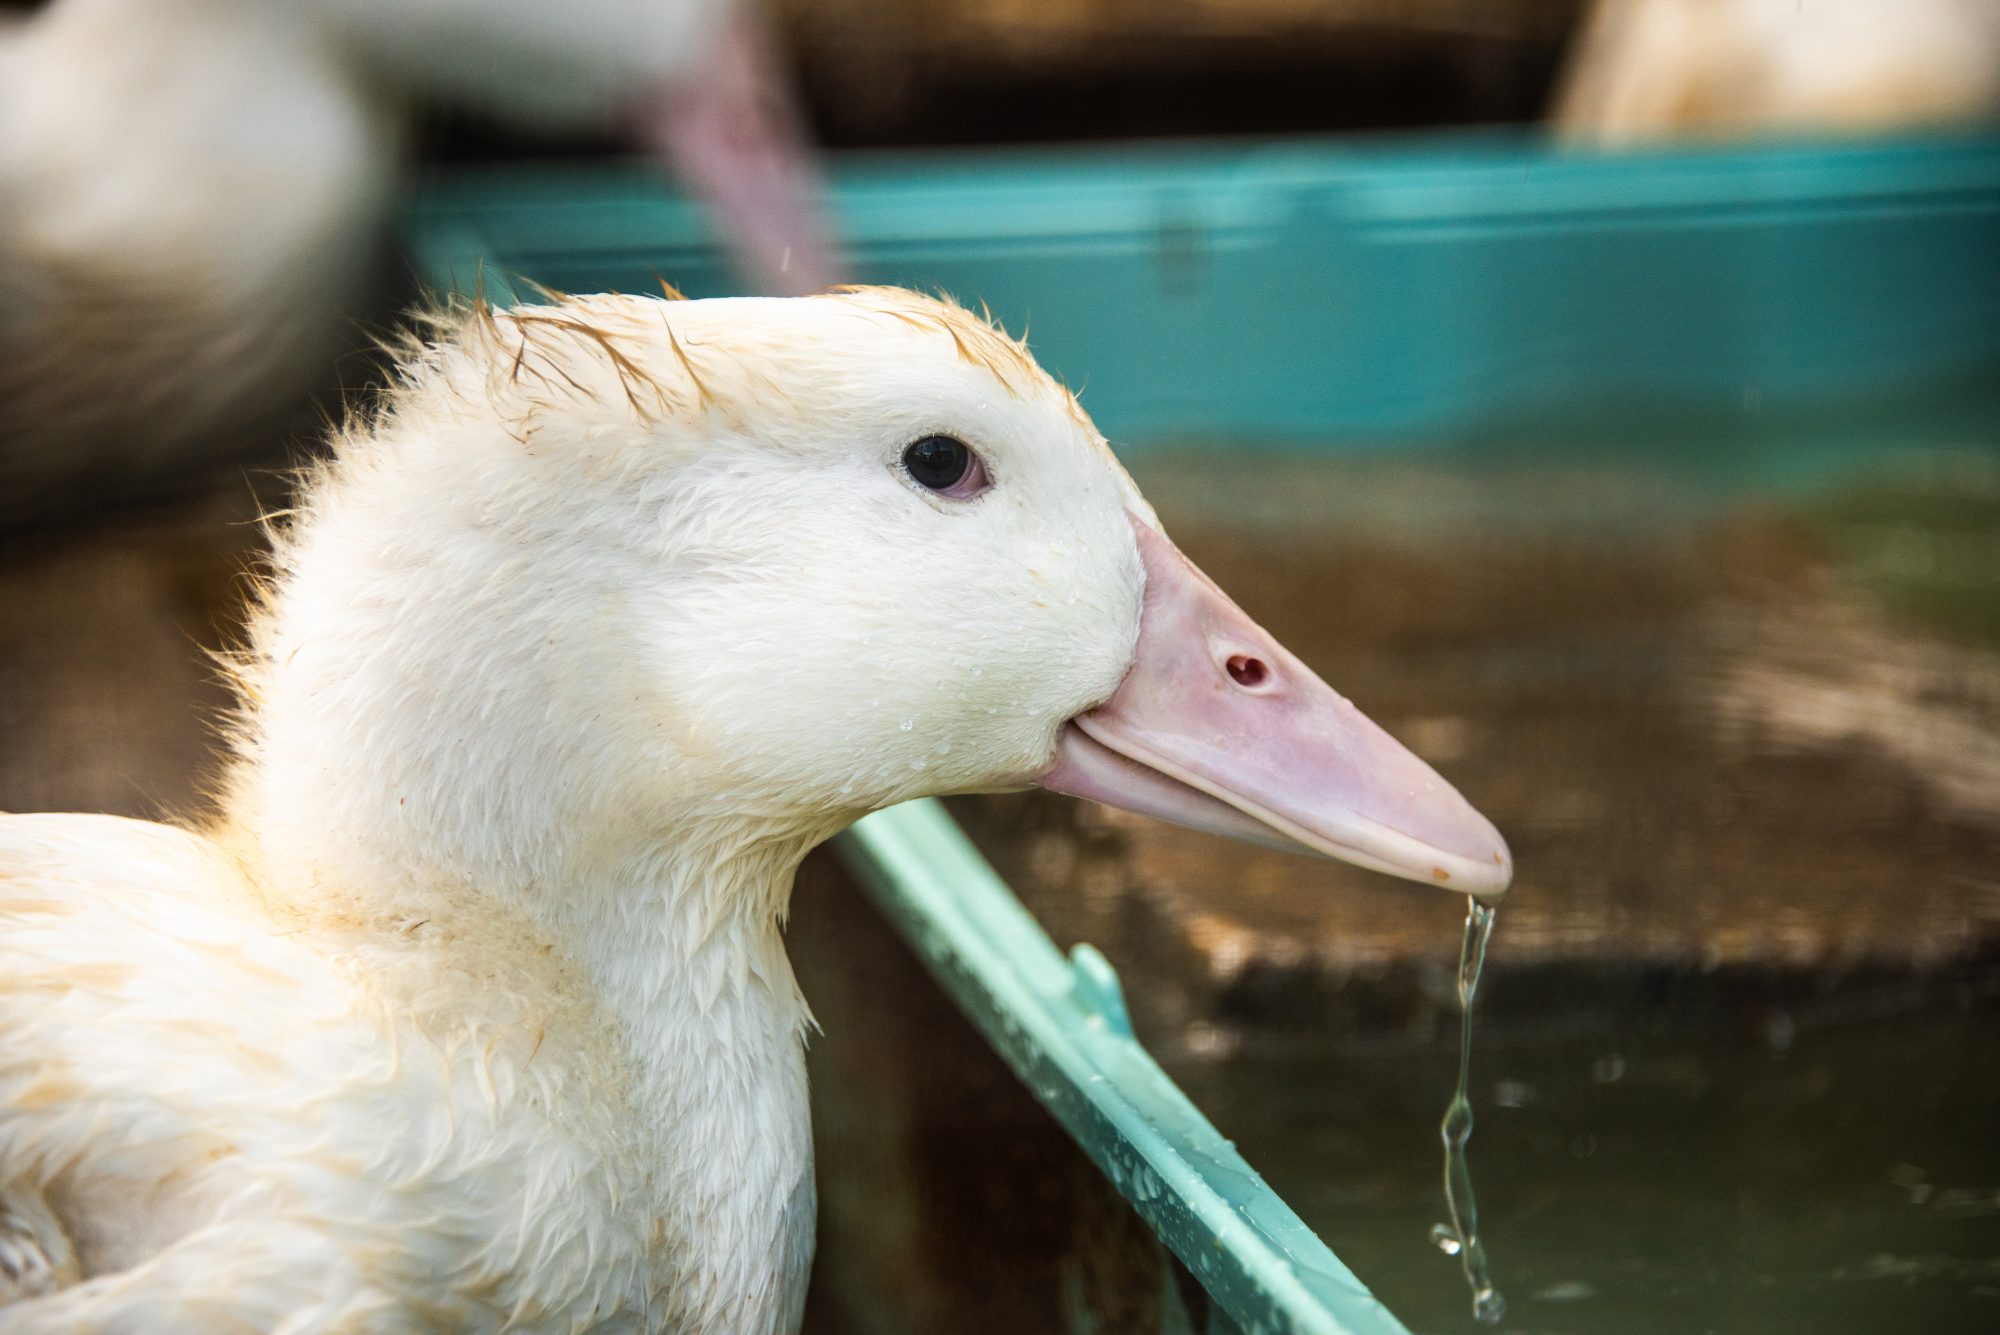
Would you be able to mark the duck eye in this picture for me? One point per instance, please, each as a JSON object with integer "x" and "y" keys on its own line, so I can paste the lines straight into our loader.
{"x": 946, "y": 465}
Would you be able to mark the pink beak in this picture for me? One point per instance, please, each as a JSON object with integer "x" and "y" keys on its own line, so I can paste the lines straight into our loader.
{"x": 735, "y": 136}
{"x": 1217, "y": 727}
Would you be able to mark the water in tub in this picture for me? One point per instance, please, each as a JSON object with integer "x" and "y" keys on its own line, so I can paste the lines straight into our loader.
{"x": 1737, "y": 707}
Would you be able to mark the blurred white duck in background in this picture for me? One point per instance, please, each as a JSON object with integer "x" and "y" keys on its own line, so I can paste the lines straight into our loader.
{"x": 1656, "y": 69}
{"x": 192, "y": 192}
{"x": 472, "y": 1009}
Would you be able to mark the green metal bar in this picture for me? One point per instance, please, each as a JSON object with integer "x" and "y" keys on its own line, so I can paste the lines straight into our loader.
{"x": 1061, "y": 1025}
{"x": 453, "y": 256}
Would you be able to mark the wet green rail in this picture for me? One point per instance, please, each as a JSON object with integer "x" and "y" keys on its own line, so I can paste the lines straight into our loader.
{"x": 1061, "y": 1025}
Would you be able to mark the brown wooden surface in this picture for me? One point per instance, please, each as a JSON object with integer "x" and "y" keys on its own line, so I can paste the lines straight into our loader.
{"x": 108, "y": 701}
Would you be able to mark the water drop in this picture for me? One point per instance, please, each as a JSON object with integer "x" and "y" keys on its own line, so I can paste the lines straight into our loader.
{"x": 907, "y": 724}
{"x": 1460, "y": 1237}
{"x": 1488, "y": 1307}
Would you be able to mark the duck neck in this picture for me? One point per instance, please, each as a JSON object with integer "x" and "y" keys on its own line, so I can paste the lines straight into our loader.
{"x": 406, "y": 765}
{"x": 682, "y": 941}
{"x": 448, "y": 710}
{"x": 673, "y": 920}
{"x": 676, "y": 939}
{"x": 713, "y": 1027}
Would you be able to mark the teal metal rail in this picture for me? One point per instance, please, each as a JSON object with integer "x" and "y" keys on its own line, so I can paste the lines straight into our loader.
{"x": 1061, "y": 1025}
{"x": 1321, "y": 292}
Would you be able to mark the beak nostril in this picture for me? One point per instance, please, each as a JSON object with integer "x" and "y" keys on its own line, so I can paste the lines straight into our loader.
{"x": 1248, "y": 671}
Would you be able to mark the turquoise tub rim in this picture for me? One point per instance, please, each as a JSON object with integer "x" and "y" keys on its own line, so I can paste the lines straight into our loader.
{"x": 1364, "y": 292}
{"x": 1060, "y": 1024}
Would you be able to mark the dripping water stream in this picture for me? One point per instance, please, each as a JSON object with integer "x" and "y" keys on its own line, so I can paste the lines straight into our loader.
{"x": 1460, "y": 1237}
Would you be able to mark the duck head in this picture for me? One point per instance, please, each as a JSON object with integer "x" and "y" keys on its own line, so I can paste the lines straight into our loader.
{"x": 793, "y": 560}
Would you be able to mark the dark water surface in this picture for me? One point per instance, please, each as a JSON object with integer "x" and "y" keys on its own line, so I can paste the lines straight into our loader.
{"x": 1738, "y": 1066}
{"x": 1641, "y": 1179}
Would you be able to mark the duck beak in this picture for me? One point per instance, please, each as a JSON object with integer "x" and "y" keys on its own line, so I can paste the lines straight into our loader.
{"x": 1217, "y": 727}
{"x": 734, "y": 135}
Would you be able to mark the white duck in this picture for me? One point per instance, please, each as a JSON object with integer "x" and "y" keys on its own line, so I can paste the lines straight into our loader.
{"x": 1655, "y": 69}
{"x": 471, "y": 1009}
{"x": 191, "y": 191}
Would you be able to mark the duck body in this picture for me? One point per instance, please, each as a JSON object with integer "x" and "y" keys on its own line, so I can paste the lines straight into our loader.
{"x": 323, "y": 1118}
{"x": 190, "y": 194}
{"x": 193, "y": 194}
{"x": 470, "y": 1008}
